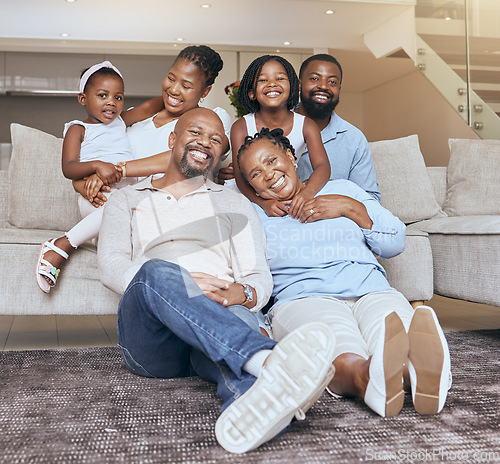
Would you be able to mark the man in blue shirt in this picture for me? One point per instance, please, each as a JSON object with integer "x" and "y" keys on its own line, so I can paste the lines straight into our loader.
{"x": 347, "y": 148}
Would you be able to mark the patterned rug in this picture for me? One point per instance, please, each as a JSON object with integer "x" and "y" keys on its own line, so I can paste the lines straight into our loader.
{"x": 83, "y": 406}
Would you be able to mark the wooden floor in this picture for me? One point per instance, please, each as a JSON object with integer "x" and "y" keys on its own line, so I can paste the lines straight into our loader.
{"x": 47, "y": 332}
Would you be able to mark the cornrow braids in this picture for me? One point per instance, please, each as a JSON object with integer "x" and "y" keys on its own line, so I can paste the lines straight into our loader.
{"x": 207, "y": 59}
{"x": 275, "y": 136}
{"x": 99, "y": 72}
{"x": 249, "y": 83}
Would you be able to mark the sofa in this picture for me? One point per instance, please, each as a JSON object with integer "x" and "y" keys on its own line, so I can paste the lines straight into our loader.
{"x": 452, "y": 215}
{"x": 454, "y": 256}
{"x": 38, "y": 203}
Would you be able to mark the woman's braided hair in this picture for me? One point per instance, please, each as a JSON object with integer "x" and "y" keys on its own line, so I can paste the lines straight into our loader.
{"x": 275, "y": 136}
{"x": 251, "y": 76}
{"x": 208, "y": 60}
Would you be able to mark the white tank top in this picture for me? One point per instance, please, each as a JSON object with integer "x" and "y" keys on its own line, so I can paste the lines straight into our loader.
{"x": 296, "y": 135}
{"x": 103, "y": 142}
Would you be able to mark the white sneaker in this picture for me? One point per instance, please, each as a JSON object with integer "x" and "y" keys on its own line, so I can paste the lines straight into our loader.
{"x": 384, "y": 392}
{"x": 428, "y": 362}
{"x": 292, "y": 379}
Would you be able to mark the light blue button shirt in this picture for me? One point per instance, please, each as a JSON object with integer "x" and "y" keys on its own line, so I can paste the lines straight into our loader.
{"x": 349, "y": 155}
{"x": 331, "y": 257}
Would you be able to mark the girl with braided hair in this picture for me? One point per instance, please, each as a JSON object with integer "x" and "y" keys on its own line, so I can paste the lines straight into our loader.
{"x": 269, "y": 90}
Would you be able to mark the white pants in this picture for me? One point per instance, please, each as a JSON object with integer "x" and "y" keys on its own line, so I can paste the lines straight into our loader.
{"x": 356, "y": 322}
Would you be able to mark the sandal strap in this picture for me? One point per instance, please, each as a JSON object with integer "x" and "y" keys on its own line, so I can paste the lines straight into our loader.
{"x": 46, "y": 269}
{"x": 55, "y": 248}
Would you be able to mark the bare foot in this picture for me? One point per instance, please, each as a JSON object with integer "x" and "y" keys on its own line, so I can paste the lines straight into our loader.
{"x": 55, "y": 258}
{"x": 351, "y": 375}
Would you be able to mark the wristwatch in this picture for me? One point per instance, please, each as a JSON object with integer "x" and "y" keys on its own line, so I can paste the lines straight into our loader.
{"x": 247, "y": 290}
{"x": 123, "y": 165}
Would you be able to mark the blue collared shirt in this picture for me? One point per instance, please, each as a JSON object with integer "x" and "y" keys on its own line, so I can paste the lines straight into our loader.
{"x": 349, "y": 155}
{"x": 331, "y": 257}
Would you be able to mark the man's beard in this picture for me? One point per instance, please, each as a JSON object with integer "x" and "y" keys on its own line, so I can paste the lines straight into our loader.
{"x": 317, "y": 110}
{"x": 190, "y": 171}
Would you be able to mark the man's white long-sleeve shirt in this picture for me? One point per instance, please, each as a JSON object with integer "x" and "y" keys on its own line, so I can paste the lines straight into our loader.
{"x": 212, "y": 230}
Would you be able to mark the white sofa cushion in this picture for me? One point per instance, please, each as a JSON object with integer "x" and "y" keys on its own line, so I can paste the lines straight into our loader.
{"x": 40, "y": 197}
{"x": 78, "y": 289}
{"x": 462, "y": 225}
{"x": 473, "y": 183}
{"x": 403, "y": 180}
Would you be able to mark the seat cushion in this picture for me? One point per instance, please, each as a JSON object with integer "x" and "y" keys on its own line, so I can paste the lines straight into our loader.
{"x": 78, "y": 289}
{"x": 463, "y": 225}
{"x": 466, "y": 257}
{"x": 467, "y": 266}
{"x": 473, "y": 183}
{"x": 403, "y": 180}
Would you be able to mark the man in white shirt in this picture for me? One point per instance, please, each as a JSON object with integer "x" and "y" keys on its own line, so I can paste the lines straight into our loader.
{"x": 188, "y": 255}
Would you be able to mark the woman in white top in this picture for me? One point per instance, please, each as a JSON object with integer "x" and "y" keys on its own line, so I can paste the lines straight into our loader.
{"x": 187, "y": 82}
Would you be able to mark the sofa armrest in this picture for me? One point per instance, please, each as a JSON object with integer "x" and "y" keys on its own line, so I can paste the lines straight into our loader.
{"x": 4, "y": 200}
{"x": 437, "y": 175}
{"x": 411, "y": 272}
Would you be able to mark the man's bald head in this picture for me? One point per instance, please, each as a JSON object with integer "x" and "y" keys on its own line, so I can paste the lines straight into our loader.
{"x": 197, "y": 142}
{"x": 202, "y": 114}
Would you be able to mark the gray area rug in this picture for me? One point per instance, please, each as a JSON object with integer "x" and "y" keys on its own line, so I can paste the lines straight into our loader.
{"x": 83, "y": 406}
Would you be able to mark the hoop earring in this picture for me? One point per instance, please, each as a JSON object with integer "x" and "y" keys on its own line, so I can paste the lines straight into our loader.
{"x": 295, "y": 165}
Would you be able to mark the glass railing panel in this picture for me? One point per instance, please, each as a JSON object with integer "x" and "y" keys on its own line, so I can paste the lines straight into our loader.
{"x": 448, "y": 83}
{"x": 459, "y": 44}
{"x": 484, "y": 66}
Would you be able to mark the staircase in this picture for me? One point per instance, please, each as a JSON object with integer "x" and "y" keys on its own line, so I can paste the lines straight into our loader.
{"x": 456, "y": 45}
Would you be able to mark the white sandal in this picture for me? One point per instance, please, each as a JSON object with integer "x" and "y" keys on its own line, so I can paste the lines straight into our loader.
{"x": 44, "y": 268}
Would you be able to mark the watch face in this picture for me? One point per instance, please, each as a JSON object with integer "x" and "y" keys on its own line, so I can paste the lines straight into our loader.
{"x": 248, "y": 293}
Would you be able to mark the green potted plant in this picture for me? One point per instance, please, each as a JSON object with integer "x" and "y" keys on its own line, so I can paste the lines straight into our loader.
{"x": 232, "y": 91}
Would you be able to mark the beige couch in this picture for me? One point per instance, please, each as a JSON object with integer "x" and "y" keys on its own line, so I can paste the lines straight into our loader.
{"x": 38, "y": 203}
{"x": 452, "y": 215}
{"x": 453, "y": 256}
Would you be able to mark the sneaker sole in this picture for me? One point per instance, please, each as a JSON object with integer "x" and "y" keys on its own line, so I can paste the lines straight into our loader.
{"x": 294, "y": 376}
{"x": 427, "y": 357}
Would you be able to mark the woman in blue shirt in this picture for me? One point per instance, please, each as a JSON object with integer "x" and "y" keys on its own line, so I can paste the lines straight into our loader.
{"x": 324, "y": 269}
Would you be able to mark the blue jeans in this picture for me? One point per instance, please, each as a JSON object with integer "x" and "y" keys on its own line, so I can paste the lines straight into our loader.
{"x": 168, "y": 328}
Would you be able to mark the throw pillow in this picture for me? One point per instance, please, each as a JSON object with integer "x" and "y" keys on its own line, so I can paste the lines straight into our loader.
{"x": 40, "y": 197}
{"x": 473, "y": 182}
{"x": 403, "y": 180}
